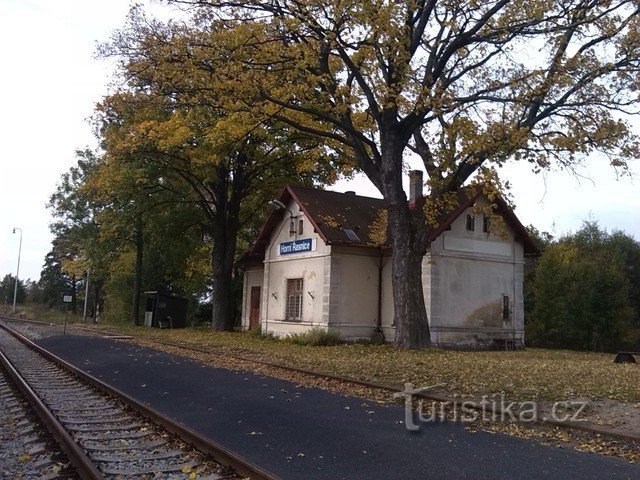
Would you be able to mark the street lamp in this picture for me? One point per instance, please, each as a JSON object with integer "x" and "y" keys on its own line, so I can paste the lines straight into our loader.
{"x": 278, "y": 205}
{"x": 15, "y": 289}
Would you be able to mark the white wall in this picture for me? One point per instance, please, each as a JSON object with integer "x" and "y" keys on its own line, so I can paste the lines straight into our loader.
{"x": 354, "y": 291}
{"x": 340, "y": 284}
{"x": 469, "y": 273}
{"x": 310, "y": 266}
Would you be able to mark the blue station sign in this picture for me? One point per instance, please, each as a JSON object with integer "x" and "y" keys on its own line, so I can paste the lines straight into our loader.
{"x": 296, "y": 246}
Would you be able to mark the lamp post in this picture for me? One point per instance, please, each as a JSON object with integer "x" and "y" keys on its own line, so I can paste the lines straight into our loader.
{"x": 278, "y": 205}
{"x": 15, "y": 288}
{"x": 86, "y": 294}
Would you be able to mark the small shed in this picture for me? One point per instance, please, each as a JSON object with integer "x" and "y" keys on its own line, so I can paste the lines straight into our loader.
{"x": 165, "y": 311}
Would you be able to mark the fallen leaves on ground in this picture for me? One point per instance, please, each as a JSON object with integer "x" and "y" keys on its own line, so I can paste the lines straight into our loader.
{"x": 537, "y": 375}
{"x": 522, "y": 375}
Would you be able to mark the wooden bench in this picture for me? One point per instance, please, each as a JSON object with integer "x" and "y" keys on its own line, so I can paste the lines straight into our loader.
{"x": 625, "y": 357}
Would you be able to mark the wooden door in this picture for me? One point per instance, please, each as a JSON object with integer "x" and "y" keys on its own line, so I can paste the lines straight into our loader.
{"x": 254, "y": 309}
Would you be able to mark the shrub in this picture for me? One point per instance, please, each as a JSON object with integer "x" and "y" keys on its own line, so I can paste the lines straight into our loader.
{"x": 316, "y": 337}
{"x": 256, "y": 332}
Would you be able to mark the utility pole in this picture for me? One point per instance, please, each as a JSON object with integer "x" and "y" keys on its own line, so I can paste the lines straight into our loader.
{"x": 15, "y": 288}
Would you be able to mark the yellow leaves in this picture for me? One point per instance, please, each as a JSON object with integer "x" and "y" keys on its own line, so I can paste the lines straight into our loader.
{"x": 74, "y": 266}
{"x": 378, "y": 228}
{"x": 522, "y": 375}
{"x": 24, "y": 457}
{"x": 169, "y": 134}
{"x": 435, "y": 208}
{"x": 189, "y": 470}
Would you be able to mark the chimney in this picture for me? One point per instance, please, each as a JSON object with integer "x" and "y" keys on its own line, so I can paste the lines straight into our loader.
{"x": 415, "y": 185}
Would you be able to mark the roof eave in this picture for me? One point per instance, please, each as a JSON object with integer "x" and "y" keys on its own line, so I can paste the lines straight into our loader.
{"x": 302, "y": 207}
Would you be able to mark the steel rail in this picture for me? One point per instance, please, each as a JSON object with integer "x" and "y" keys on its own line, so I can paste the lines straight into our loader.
{"x": 85, "y": 468}
{"x": 221, "y": 454}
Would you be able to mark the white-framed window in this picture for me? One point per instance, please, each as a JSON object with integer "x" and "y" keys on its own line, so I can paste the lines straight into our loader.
{"x": 300, "y": 227}
{"x": 486, "y": 224}
{"x": 293, "y": 309}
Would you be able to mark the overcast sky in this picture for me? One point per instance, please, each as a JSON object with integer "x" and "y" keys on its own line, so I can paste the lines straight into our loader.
{"x": 50, "y": 82}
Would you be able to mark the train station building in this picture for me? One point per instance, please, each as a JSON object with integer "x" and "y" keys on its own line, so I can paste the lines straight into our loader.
{"x": 319, "y": 262}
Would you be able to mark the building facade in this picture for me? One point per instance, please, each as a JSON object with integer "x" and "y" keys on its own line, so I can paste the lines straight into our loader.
{"x": 319, "y": 262}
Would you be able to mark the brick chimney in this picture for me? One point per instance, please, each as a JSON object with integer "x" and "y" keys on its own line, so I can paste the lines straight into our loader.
{"x": 415, "y": 185}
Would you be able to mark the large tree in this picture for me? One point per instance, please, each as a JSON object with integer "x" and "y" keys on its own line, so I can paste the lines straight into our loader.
{"x": 150, "y": 227}
{"x": 118, "y": 223}
{"x": 462, "y": 85}
{"x": 174, "y": 114}
{"x": 74, "y": 229}
{"x": 7, "y": 288}
{"x": 584, "y": 288}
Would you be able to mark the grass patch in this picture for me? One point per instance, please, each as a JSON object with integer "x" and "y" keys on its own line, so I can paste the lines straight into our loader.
{"x": 530, "y": 374}
{"x": 44, "y": 313}
{"x": 256, "y": 332}
{"x": 316, "y": 337}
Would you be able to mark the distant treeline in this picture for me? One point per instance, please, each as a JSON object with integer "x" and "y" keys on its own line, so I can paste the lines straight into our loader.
{"x": 583, "y": 291}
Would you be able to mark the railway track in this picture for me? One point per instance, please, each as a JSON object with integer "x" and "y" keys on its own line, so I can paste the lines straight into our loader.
{"x": 107, "y": 434}
{"x": 27, "y": 449}
{"x": 583, "y": 427}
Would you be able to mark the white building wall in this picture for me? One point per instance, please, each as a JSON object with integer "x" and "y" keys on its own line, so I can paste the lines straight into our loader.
{"x": 310, "y": 266}
{"x": 354, "y": 292}
{"x": 471, "y": 271}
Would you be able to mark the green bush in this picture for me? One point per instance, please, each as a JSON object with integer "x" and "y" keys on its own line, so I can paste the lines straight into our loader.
{"x": 256, "y": 332}
{"x": 630, "y": 340}
{"x": 582, "y": 289}
{"x": 316, "y": 337}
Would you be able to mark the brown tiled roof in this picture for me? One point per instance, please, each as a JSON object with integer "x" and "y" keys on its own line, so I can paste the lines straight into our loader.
{"x": 333, "y": 214}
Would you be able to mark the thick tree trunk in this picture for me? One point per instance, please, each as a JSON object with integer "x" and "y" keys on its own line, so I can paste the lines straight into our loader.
{"x": 222, "y": 292}
{"x": 407, "y": 230}
{"x": 226, "y": 225}
{"x": 410, "y": 314}
{"x": 137, "y": 278}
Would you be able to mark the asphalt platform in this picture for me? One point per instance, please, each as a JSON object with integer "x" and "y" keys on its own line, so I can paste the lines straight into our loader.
{"x": 308, "y": 433}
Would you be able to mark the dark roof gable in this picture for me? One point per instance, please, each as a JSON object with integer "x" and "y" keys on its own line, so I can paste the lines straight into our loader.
{"x": 339, "y": 218}
{"x": 347, "y": 218}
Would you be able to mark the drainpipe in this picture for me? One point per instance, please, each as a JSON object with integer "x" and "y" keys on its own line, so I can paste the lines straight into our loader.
{"x": 266, "y": 275}
{"x": 379, "y": 320}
